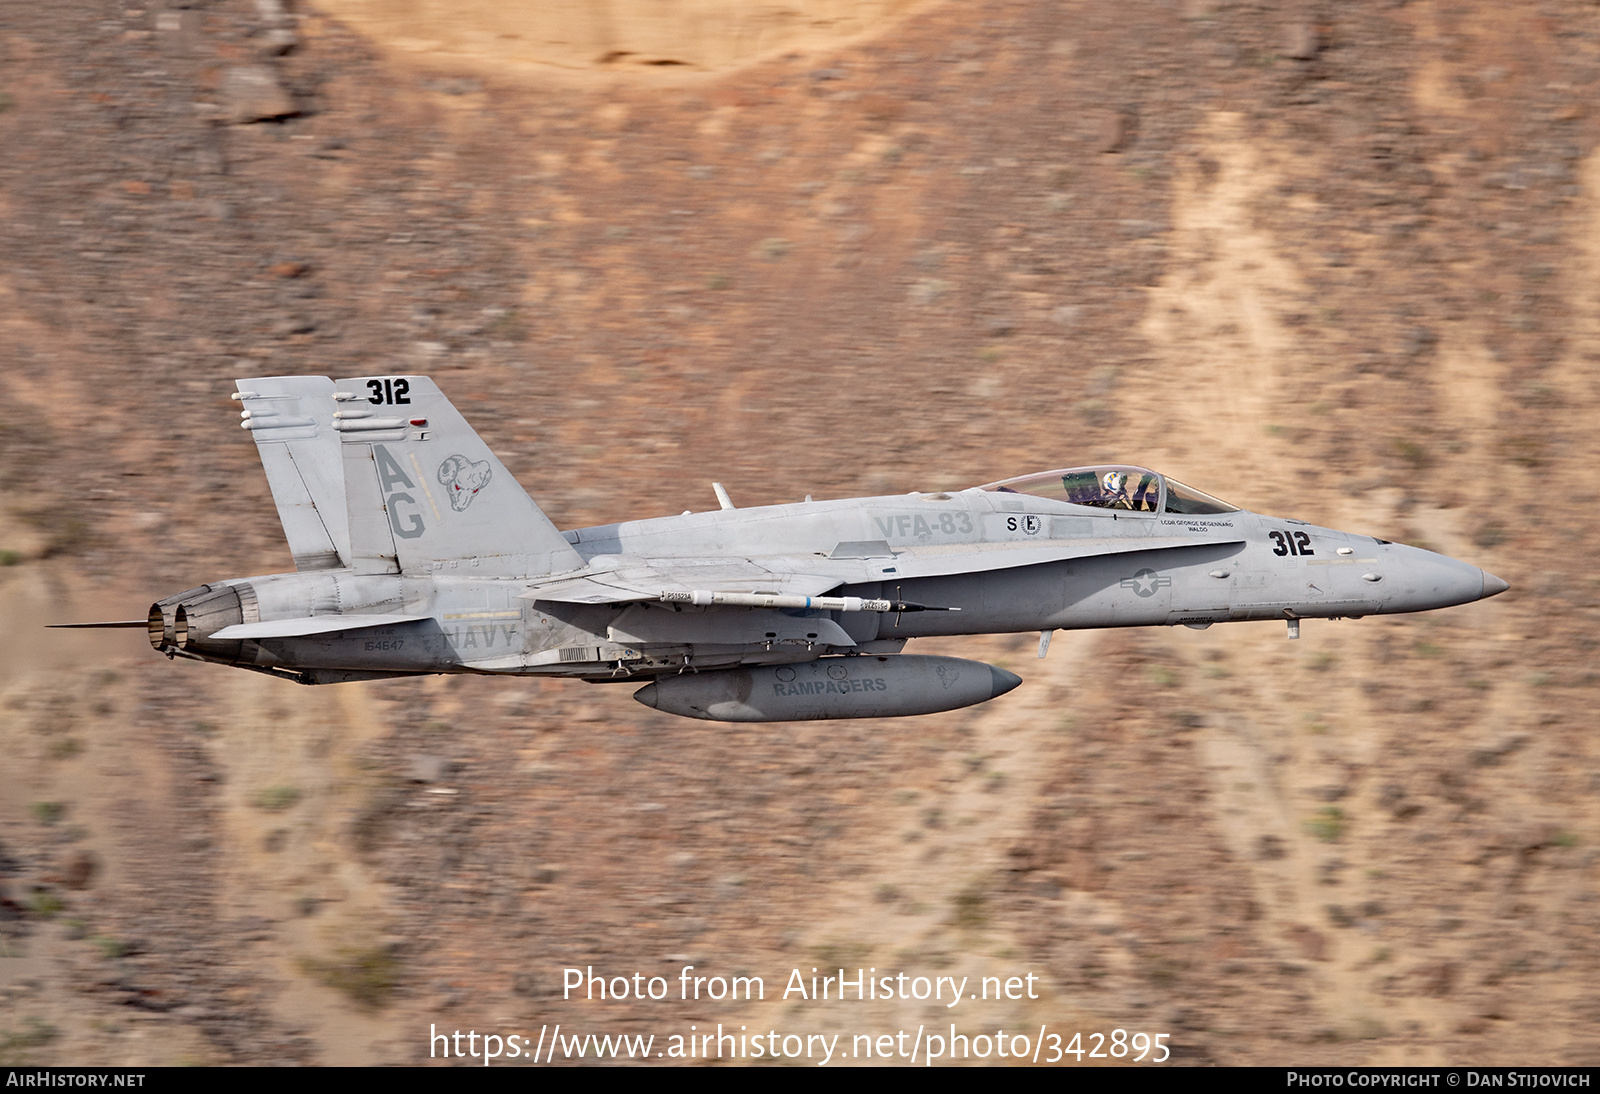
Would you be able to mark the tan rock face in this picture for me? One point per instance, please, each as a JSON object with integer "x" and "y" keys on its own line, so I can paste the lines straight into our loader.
{"x": 549, "y": 38}
{"x": 1360, "y": 288}
{"x": 252, "y": 93}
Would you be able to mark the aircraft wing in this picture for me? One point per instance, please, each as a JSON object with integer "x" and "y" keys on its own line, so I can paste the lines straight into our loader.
{"x": 965, "y": 558}
{"x": 622, "y": 579}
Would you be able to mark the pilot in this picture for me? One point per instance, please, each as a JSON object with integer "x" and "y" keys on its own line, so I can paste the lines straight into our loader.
{"x": 1111, "y": 496}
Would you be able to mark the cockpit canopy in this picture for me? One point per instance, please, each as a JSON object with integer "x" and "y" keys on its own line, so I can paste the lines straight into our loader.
{"x": 1115, "y": 486}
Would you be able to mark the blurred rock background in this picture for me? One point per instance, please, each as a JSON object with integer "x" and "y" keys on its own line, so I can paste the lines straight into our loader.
{"x": 1337, "y": 261}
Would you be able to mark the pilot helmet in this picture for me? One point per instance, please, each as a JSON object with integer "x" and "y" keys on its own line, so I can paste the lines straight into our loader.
{"x": 1112, "y": 482}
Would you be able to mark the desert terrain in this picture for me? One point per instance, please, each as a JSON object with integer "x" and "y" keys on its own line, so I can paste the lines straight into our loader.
{"x": 1331, "y": 261}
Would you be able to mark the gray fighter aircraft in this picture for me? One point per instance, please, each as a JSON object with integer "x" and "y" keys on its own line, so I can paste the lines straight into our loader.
{"x": 416, "y": 552}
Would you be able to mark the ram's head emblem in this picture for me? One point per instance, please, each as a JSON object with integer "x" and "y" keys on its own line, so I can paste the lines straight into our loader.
{"x": 463, "y": 479}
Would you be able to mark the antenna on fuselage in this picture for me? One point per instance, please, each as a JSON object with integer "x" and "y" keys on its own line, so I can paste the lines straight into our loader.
{"x": 722, "y": 496}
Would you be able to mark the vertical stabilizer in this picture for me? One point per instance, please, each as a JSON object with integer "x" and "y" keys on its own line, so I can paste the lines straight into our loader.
{"x": 372, "y": 549}
{"x": 291, "y": 420}
{"x": 424, "y": 493}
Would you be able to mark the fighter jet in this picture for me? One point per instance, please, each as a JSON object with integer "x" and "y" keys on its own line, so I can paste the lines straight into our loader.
{"x": 416, "y": 552}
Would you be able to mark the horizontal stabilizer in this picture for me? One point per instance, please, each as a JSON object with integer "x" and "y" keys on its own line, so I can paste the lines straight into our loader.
{"x": 85, "y": 626}
{"x": 318, "y": 624}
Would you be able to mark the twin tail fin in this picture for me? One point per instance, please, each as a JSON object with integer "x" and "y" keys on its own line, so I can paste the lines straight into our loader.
{"x": 383, "y": 475}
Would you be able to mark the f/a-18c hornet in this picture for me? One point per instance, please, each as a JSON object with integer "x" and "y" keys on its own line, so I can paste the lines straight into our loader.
{"x": 416, "y": 552}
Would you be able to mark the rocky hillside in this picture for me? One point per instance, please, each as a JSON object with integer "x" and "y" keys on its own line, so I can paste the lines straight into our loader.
{"x": 1337, "y": 261}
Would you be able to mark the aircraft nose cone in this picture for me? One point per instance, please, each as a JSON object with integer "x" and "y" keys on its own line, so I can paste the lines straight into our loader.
{"x": 1493, "y": 586}
{"x": 647, "y": 696}
{"x": 1003, "y": 681}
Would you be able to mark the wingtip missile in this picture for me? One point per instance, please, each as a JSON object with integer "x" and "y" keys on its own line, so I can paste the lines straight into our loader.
{"x": 706, "y": 598}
